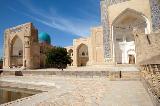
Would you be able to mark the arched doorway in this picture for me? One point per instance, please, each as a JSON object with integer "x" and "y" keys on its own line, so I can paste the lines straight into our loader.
{"x": 123, "y": 38}
{"x": 16, "y": 53}
{"x": 82, "y": 55}
{"x": 131, "y": 56}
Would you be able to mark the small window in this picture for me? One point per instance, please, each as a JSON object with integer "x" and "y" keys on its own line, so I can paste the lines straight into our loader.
{"x": 119, "y": 40}
{"x": 20, "y": 53}
{"x": 83, "y": 54}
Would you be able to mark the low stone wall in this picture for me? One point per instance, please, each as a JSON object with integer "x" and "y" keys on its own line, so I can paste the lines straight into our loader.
{"x": 150, "y": 77}
{"x": 62, "y": 73}
{"x": 113, "y": 75}
{"x": 124, "y": 75}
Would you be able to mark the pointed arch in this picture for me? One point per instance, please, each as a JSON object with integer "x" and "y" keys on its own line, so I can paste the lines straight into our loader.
{"x": 16, "y": 52}
{"x": 81, "y": 58}
{"x": 130, "y": 11}
{"x": 134, "y": 12}
{"x": 122, "y": 33}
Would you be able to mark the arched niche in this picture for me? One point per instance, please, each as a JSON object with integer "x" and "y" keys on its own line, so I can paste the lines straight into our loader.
{"x": 82, "y": 55}
{"x": 122, "y": 34}
{"x": 16, "y": 52}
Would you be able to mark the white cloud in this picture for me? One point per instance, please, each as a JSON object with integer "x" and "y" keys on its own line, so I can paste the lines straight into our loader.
{"x": 50, "y": 18}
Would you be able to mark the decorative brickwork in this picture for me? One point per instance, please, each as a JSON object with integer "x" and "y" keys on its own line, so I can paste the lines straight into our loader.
{"x": 106, "y": 29}
{"x": 155, "y": 10}
{"x": 111, "y": 2}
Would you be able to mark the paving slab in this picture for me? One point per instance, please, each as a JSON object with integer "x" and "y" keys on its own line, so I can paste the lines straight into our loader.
{"x": 72, "y": 91}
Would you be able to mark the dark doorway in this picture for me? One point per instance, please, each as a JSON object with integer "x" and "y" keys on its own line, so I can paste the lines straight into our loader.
{"x": 131, "y": 59}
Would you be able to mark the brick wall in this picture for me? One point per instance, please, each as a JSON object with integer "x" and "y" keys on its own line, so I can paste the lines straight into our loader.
{"x": 148, "y": 48}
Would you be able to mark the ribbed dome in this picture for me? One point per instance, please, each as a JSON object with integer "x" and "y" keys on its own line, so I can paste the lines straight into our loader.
{"x": 44, "y": 38}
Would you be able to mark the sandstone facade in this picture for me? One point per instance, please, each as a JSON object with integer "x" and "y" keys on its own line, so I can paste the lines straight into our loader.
{"x": 21, "y": 47}
{"x": 88, "y": 51}
{"x": 120, "y": 20}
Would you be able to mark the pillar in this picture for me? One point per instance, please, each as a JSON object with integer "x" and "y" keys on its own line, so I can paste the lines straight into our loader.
{"x": 27, "y": 53}
{"x": 7, "y": 45}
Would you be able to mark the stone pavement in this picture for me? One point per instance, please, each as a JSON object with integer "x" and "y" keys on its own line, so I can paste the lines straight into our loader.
{"x": 71, "y": 91}
{"x": 126, "y": 93}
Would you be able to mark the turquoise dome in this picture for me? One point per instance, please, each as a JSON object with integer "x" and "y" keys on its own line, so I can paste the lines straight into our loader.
{"x": 44, "y": 38}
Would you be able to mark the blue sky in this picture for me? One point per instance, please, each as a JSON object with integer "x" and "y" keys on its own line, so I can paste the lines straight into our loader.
{"x": 63, "y": 20}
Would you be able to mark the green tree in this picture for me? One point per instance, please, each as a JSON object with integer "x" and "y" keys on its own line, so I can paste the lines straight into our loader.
{"x": 57, "y": 57}
{"x": 1, "y": 63}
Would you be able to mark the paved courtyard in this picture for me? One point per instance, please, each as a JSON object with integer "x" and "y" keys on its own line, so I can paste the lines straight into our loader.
{"x": 72, "y": 91}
